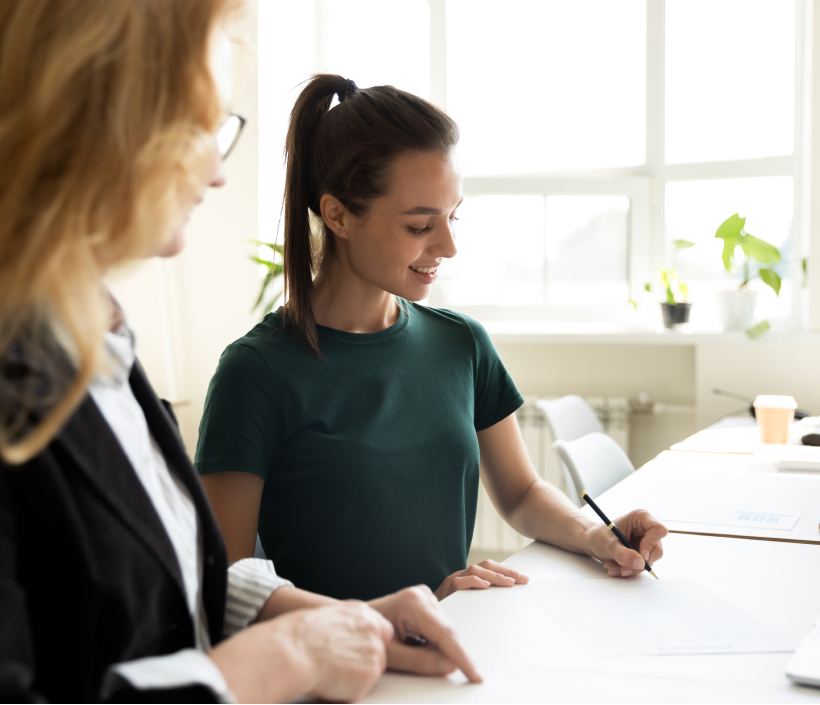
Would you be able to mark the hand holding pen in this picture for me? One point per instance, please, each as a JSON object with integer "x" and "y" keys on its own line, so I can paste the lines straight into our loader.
{"x": 631, "y": 546}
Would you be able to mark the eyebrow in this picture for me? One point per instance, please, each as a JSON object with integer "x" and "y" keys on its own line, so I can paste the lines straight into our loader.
{"x": 426, "y": 210}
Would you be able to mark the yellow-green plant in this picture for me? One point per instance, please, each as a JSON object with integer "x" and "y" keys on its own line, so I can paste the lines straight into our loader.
{"x": 669, "y": 277}
{"x": 268, "y": 297}
{"x": 733, "y": 233}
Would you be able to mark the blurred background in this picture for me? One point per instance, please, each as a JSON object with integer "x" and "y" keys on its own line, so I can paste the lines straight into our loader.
{"x": 603, "y": 144}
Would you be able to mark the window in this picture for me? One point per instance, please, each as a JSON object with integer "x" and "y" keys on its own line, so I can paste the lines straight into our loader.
{"x": 594, "y": 133}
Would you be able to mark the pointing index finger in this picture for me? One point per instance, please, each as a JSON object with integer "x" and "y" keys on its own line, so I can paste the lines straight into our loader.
{"x": 433, "y": 628}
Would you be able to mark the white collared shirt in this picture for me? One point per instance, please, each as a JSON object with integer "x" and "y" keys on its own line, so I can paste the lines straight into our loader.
{"x": 251, "y": 581}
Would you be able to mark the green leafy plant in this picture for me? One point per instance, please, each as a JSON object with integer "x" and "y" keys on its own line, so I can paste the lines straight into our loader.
{"x": 268, "y": 294}
{"x": 673, "y": 287}
{"x": 733, "y": 233}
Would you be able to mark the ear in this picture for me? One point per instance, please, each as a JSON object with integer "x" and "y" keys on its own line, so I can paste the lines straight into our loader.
{"x": 334, "y": 214}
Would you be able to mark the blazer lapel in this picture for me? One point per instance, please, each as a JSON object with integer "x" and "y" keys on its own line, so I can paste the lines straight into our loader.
{"x": 96, "y": 451}
{"x": 166, "y": 434}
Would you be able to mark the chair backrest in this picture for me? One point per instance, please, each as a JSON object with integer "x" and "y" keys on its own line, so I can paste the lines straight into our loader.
{"x": 568, "y": 418}
{"x": 595, "y": 462}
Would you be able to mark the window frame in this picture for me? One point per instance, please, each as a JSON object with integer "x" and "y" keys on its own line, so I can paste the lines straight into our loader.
{"x": 646, "y": 183}
{"x": 639, "y": 264}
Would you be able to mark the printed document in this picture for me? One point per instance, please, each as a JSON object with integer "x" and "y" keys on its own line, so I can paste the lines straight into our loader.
{"x": 781, "y": 518}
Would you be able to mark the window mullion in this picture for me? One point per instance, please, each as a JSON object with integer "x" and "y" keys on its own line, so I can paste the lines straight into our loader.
{"x": 321, "y": 36}
{"x": 655, "y": 34}
{"x": 802, "y": 231}
{"x": 438, "y": 53}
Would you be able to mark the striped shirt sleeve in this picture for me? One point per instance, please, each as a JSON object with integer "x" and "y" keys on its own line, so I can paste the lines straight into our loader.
{"x": 251, "y": 582}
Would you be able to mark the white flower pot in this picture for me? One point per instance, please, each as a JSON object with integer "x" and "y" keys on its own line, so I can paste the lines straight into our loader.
{"x": 737, "y": 308}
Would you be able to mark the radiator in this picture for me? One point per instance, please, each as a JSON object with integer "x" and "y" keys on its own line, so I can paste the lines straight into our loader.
{"x": 492, "y": 534}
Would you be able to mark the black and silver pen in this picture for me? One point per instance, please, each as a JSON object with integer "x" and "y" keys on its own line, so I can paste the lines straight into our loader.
{"x": 615, "y": 530}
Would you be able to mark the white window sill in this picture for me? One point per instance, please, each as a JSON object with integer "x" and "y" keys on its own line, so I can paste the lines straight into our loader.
{"x": 581, "y": 332}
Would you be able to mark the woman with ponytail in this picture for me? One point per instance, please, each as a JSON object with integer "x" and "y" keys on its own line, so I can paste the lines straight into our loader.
{"x": 114, "y": 578}
{"x": 347, "y": 427}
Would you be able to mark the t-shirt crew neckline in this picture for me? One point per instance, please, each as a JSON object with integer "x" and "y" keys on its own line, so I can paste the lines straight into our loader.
{"x": 370, "y": 338}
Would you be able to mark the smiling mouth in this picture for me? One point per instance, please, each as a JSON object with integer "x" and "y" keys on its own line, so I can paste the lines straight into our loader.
{"x": 424, "y": 270}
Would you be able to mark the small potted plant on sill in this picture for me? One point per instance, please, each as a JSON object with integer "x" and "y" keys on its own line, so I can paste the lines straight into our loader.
{"x": 736, "y": 305}
{"x": 675, "y": 309}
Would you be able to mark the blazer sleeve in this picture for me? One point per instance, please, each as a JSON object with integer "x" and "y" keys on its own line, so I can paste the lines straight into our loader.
{"x": 16, "y": 652}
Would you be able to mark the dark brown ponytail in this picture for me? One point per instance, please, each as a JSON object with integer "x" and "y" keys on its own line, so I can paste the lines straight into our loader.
{"x": 346, "y": 152}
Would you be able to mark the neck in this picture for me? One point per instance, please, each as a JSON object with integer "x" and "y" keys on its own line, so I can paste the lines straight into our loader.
{"x": 343, "y": 301}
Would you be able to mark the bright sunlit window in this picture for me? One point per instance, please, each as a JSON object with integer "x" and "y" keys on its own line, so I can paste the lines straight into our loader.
{"x": 540, "y": 87}
{"x": 594, "y": 133}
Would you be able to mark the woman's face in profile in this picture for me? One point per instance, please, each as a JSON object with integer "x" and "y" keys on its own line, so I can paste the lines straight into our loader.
{"x": 402, "y": 240}
{"x": 221, "y": 69}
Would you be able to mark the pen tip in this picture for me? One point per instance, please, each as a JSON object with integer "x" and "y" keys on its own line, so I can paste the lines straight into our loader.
{"x": 652, "y": 573}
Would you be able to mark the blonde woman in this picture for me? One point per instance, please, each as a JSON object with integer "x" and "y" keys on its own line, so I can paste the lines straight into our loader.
{"x": 114, "y": 581}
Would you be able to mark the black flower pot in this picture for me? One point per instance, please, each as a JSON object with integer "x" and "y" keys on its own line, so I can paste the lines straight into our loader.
{"x": 674, "y": 314}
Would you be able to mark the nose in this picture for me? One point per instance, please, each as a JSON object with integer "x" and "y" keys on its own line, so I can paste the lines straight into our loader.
{"x": 219, "y": 178}
{"x": 445, "y": 246}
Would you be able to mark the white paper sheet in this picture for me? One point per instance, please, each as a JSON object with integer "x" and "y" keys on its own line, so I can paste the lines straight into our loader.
{"x": 643, "y": 616}
{"x": 780, "y": 518}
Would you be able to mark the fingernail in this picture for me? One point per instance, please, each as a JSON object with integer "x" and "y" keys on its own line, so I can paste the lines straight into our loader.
{"x": 486, "y": 583}
{"x": 509, "y": 579}
{"x": 626, "y": 571}
{"x": 638, "y": 564}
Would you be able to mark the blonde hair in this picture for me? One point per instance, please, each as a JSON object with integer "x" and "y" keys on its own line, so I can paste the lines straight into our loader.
{"x": 107, "y": 114}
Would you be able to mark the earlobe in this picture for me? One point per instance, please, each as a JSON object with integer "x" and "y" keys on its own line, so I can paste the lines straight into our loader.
{"x": 333, "y": 214}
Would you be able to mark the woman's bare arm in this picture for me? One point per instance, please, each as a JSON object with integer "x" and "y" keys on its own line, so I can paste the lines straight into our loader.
{"x": 541, "y": 511}
{"x": 235, "y": 497}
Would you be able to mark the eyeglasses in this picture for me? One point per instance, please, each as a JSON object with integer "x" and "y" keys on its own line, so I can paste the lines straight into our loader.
{"x": 228, "y": 134}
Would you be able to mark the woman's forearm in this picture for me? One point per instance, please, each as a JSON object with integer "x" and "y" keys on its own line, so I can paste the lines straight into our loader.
{"x": 287, "y": 599}
{"x": 546, "y": 514}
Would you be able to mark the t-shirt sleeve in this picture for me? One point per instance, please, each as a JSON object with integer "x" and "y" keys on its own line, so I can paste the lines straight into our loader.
{"x": 241, "y": 427}
{"x": 496, "y": 395}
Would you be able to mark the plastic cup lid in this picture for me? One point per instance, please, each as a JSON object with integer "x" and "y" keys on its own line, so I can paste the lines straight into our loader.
{"x": 774, "y": 401}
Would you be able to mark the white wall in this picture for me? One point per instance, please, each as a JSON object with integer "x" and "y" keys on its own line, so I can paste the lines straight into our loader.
{"x": 763, "y": 367}
{"x": 666, "y": 373}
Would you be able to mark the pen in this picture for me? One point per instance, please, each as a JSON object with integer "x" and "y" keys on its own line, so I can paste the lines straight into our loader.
{"x": 615, "y": 530}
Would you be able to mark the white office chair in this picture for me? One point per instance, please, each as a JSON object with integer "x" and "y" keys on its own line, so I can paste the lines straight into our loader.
{"x": 568, "y": 418}
{"x": 595, "y": 462}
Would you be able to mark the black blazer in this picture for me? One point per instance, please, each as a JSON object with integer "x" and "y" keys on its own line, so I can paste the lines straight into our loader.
{"x": 88, "y": 576}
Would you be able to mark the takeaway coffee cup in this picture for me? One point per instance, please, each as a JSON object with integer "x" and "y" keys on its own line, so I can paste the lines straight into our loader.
{"x": 774, "y": 414}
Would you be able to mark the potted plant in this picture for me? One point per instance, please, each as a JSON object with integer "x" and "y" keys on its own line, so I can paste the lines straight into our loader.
{"x": 271, "y": 257}
{"x": 675, "y": 310}
{"x": 744, "y": 253}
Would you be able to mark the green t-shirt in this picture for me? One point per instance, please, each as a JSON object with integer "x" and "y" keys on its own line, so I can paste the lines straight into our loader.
{"x": 370, "y": 456}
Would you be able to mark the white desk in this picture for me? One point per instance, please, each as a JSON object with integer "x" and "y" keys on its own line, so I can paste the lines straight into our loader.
{"x": 741, "y": 436}
{"x": 659, "y": 486}
{"x": 525, "y": 657}
{"x": 730, "y": 435}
